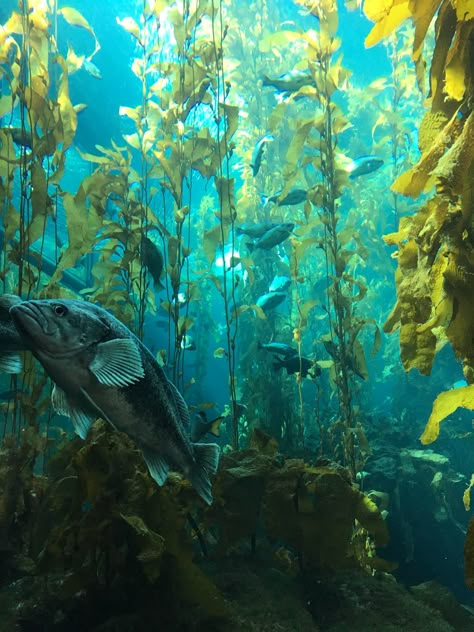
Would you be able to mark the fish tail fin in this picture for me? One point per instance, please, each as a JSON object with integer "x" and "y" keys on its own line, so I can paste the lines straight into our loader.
{"x": 264, "y": 199}
{"x": 207, "y": 460}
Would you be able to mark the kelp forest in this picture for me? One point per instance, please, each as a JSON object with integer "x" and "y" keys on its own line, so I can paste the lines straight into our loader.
{"x": 277, "y": 199}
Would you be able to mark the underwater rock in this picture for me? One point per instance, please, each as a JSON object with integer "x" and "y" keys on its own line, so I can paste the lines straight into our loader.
{"x": 439, "y": 598}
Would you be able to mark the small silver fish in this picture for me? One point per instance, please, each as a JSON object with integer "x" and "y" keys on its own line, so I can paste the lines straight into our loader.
{"x": 101, "y": 369}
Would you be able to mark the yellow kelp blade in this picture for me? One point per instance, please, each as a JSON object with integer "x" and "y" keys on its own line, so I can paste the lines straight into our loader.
{"x": 387, "y": 14}
{"x": 445, "y": 404}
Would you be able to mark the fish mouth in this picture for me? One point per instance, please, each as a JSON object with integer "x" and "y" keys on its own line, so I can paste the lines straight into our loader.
{"x": 28, "y": 318}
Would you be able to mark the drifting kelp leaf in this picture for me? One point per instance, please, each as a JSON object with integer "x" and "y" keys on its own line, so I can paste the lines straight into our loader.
{"x": 387, "y": 14}
{"x": 466, "y": 497}
{"x": 359, "y": 284}
{"x": 39, "y": 202}
{"x": 359, "y": 361}
{"x": 445, "y": 404}
{"x": 220, "y": 353}
{"x": 184, "y": 324}
{"x": 258, "y": 311}
{"x": 213, "y": 239}
{"x": 73, "y": 17}
{"x": 303, "y": 128}
{"x": 304, "y": 310}
{"x": 129, "y": 25}
{"x": 423, "y": 14}
{"x": 458, "y": 61}
{"x": 277, "y": 115}
{"x": 67, "y": 112}
{"x": 217, "y": 283}
{"x": 133, "y": 140}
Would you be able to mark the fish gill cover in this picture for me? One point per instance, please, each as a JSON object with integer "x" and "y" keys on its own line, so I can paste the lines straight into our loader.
{"x": 247, "y": 145}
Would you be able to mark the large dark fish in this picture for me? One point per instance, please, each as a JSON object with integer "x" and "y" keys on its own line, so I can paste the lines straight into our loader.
{"x": 279, "y": 348}
{"x": 293, "y": 197}
{"x": 271, "y": 300}
{"x": 255, "y": 230}
{"x": 291, "y": 81}
{"x": 363, "y": 165}
{"x": 100, "y": 368}
{"x": 10, "y": 340}
{"x": 152, "y": 258}
{"x": 297, "y": 364}
{"x": 273, "y": 237}
{"x": 257, "y": 154}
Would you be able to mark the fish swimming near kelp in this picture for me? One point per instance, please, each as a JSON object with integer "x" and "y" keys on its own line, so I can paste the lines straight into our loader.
{"x": 291, "y": 81}
{"x": 270, "y": 300}
{"x": 257, "y": 154}
{"x": 297, "y": 364}
{"x": 100, "y": 368}
{"x": 292, "y": 198}
{"x": 276, "y": 235}
{"x": 255, "y": 230}
{"x": 279, "y": 348}
{"x": 152, "y": 259}
{"x": 11, "y": 342}
{"x": 363, "y": 165}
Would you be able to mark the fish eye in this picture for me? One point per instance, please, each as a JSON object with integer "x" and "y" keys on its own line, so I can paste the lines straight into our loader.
{"x": 60, "y": 310}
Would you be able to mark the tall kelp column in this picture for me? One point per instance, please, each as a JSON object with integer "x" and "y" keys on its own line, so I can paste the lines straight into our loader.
{"x": 329, "y": 246}
{"x": 435, "y": 276}
{"x": 35, "y": 100}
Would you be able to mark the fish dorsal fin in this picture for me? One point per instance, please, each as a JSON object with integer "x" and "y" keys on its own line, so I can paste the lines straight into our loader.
{"x": 118, "y": 362}
{"x": 181, "y": 405}
{"x": 10, "y": 363}
{"x": 81, "y": 421}
{"x": 157, "y": 465}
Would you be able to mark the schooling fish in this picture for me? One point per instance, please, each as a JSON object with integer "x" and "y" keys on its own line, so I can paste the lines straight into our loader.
{"x": 363, "y": 165}
{"x": 257, "y": 154}
{"x": 10, "y": 340}
{"x": 100, "y": 368}
{"x": 280, "y": 348}
{"x": 291, "y": 81}
{"x": 293, "y": 197}
{"x": 273, "y": 237}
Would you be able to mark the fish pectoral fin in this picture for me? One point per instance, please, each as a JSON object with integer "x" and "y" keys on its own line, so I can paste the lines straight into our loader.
{"x": 157, "y": 466}
{"x": 10, "y": 363}
{"x": 118, "y": 362}
{"x": 81, "y": 420}
{"x": 207, "y": 459}
{"x": 214, "y": 428}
